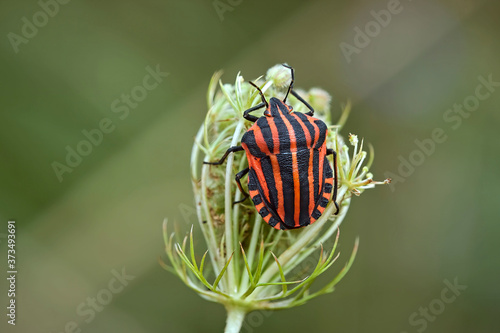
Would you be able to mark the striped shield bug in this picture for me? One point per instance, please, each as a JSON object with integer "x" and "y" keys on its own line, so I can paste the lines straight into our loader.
{"x": 290, "y": 179}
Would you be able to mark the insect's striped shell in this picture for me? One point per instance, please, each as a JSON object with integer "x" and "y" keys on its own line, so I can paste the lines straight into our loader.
{"x": 290, "y": 179}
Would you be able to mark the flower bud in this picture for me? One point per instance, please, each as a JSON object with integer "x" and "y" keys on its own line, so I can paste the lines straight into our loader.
{"x": 279, "y": 75}
{"x": 320, "y": 100}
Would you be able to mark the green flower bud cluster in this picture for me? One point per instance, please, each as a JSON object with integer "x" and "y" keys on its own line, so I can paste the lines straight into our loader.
{"x": 249, "y": 265}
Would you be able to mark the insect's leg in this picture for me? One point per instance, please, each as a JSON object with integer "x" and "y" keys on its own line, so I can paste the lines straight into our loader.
{"x": 240, "y": 175}
{"x": 335, "y": 182}
{"x": 230, "y": 150}
{"x": 297, "y": 96}
{"x": 290, "y": 87}
{"x": 290, "y": 90}
{"x": 248, "y": 116}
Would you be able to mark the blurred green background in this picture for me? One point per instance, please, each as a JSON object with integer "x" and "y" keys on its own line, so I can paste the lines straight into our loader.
{"x": 441, "y": 223}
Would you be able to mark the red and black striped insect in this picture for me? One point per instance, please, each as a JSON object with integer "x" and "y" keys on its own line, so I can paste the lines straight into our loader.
{"x": 290, "y": 179}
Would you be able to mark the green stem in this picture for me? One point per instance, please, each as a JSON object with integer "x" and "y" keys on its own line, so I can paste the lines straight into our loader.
{"x": 230, "y": 246}
{"x": 201, "y": 203}
{"x": 252, "y": 250}
{"x": 235, "y": 317}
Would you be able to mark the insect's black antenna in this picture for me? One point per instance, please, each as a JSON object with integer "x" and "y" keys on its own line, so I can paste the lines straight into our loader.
{"x": 260, "y": 92}
{"x": 290, "y": 87}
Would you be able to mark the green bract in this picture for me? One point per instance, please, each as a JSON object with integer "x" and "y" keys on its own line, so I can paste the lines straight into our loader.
{"x": 249, "y": 265}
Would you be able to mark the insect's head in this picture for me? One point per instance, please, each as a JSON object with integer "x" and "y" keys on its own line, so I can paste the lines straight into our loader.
{"x": 277, "y": 107}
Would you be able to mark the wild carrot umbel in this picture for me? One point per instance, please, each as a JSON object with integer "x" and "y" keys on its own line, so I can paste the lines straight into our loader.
{"x": 249, "y": 265}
